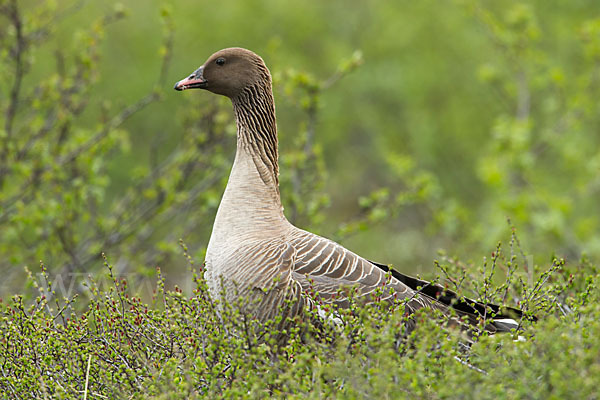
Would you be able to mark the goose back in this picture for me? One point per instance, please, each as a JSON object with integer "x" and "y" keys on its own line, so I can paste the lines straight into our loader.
{"x": 254, "y": 253}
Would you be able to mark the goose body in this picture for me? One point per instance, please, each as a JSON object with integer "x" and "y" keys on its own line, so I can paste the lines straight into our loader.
{"x": 254, "y": 252}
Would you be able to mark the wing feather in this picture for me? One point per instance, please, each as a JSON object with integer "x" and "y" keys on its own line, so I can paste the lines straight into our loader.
{"x": 328, "y": 268}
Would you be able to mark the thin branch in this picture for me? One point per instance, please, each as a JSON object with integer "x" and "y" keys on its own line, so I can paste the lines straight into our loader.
{"x": 87, "y": 377}
{"x": 114, "y": 123}
{"x": 17, "y": 54}
{"x": 11, "y": 110}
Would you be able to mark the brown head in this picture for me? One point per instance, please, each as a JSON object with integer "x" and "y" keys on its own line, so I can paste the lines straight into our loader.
{"x": 228, "y": 72}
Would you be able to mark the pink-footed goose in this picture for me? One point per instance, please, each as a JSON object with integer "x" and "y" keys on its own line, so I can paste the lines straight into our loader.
{"x": 254, "y": 252}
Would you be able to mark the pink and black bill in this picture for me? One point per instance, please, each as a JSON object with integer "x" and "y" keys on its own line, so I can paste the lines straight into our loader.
{"x": 194, "y": 81}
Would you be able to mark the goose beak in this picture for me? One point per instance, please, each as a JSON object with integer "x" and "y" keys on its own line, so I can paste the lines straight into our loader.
{"x": 195, "y": 80}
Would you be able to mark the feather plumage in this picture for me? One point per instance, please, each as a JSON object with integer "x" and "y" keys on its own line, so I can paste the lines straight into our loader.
{"x": 255, "y": 252}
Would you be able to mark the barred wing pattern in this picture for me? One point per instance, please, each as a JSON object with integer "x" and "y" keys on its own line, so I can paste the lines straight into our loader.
{"x": 327, "y": 267}
{"x": 254, "y": 251}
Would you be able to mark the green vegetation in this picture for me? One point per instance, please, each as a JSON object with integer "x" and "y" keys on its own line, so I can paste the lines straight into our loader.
{"x": 181, "y": 347}
{"x": 406, "y": 127}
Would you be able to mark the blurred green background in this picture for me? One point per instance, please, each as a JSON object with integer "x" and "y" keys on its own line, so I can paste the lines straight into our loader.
{"x": 405, "y": 127}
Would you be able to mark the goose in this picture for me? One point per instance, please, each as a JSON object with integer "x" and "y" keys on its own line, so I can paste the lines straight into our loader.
{"x": 255, "y": 253}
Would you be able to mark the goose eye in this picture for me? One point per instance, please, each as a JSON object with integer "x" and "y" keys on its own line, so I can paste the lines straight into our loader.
{"x": 220, "y": 61}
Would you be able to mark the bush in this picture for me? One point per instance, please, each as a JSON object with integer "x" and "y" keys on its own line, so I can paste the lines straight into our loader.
{"x": 181, "y": 346}
{"x": 85, "y": 169}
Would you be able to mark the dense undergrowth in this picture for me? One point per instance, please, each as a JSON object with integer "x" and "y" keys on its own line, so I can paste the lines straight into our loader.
{"x": 109, "y": 343}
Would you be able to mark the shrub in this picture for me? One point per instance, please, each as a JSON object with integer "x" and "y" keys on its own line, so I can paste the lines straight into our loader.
{"x": 179, "y": 345}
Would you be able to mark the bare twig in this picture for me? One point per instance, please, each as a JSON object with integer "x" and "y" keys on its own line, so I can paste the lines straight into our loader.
{"x": 87, "y": 377}
{"x": 19, "y": 71}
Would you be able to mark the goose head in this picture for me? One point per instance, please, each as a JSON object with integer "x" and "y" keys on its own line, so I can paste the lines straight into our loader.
{"x": 228, "y": 72}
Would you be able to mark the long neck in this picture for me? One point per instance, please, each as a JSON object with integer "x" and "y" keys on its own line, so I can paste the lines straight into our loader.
{"x": 257, "y": 130}
{"x": 251, "y": 206}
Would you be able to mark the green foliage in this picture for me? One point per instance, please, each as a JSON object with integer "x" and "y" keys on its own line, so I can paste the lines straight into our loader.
{"x": 186, "y": 346}
{"x": 58, "y": 146}
{"x": 540, "y": 161}
{"x": 449, "y": 118}
{"x": 440, "y": 120}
